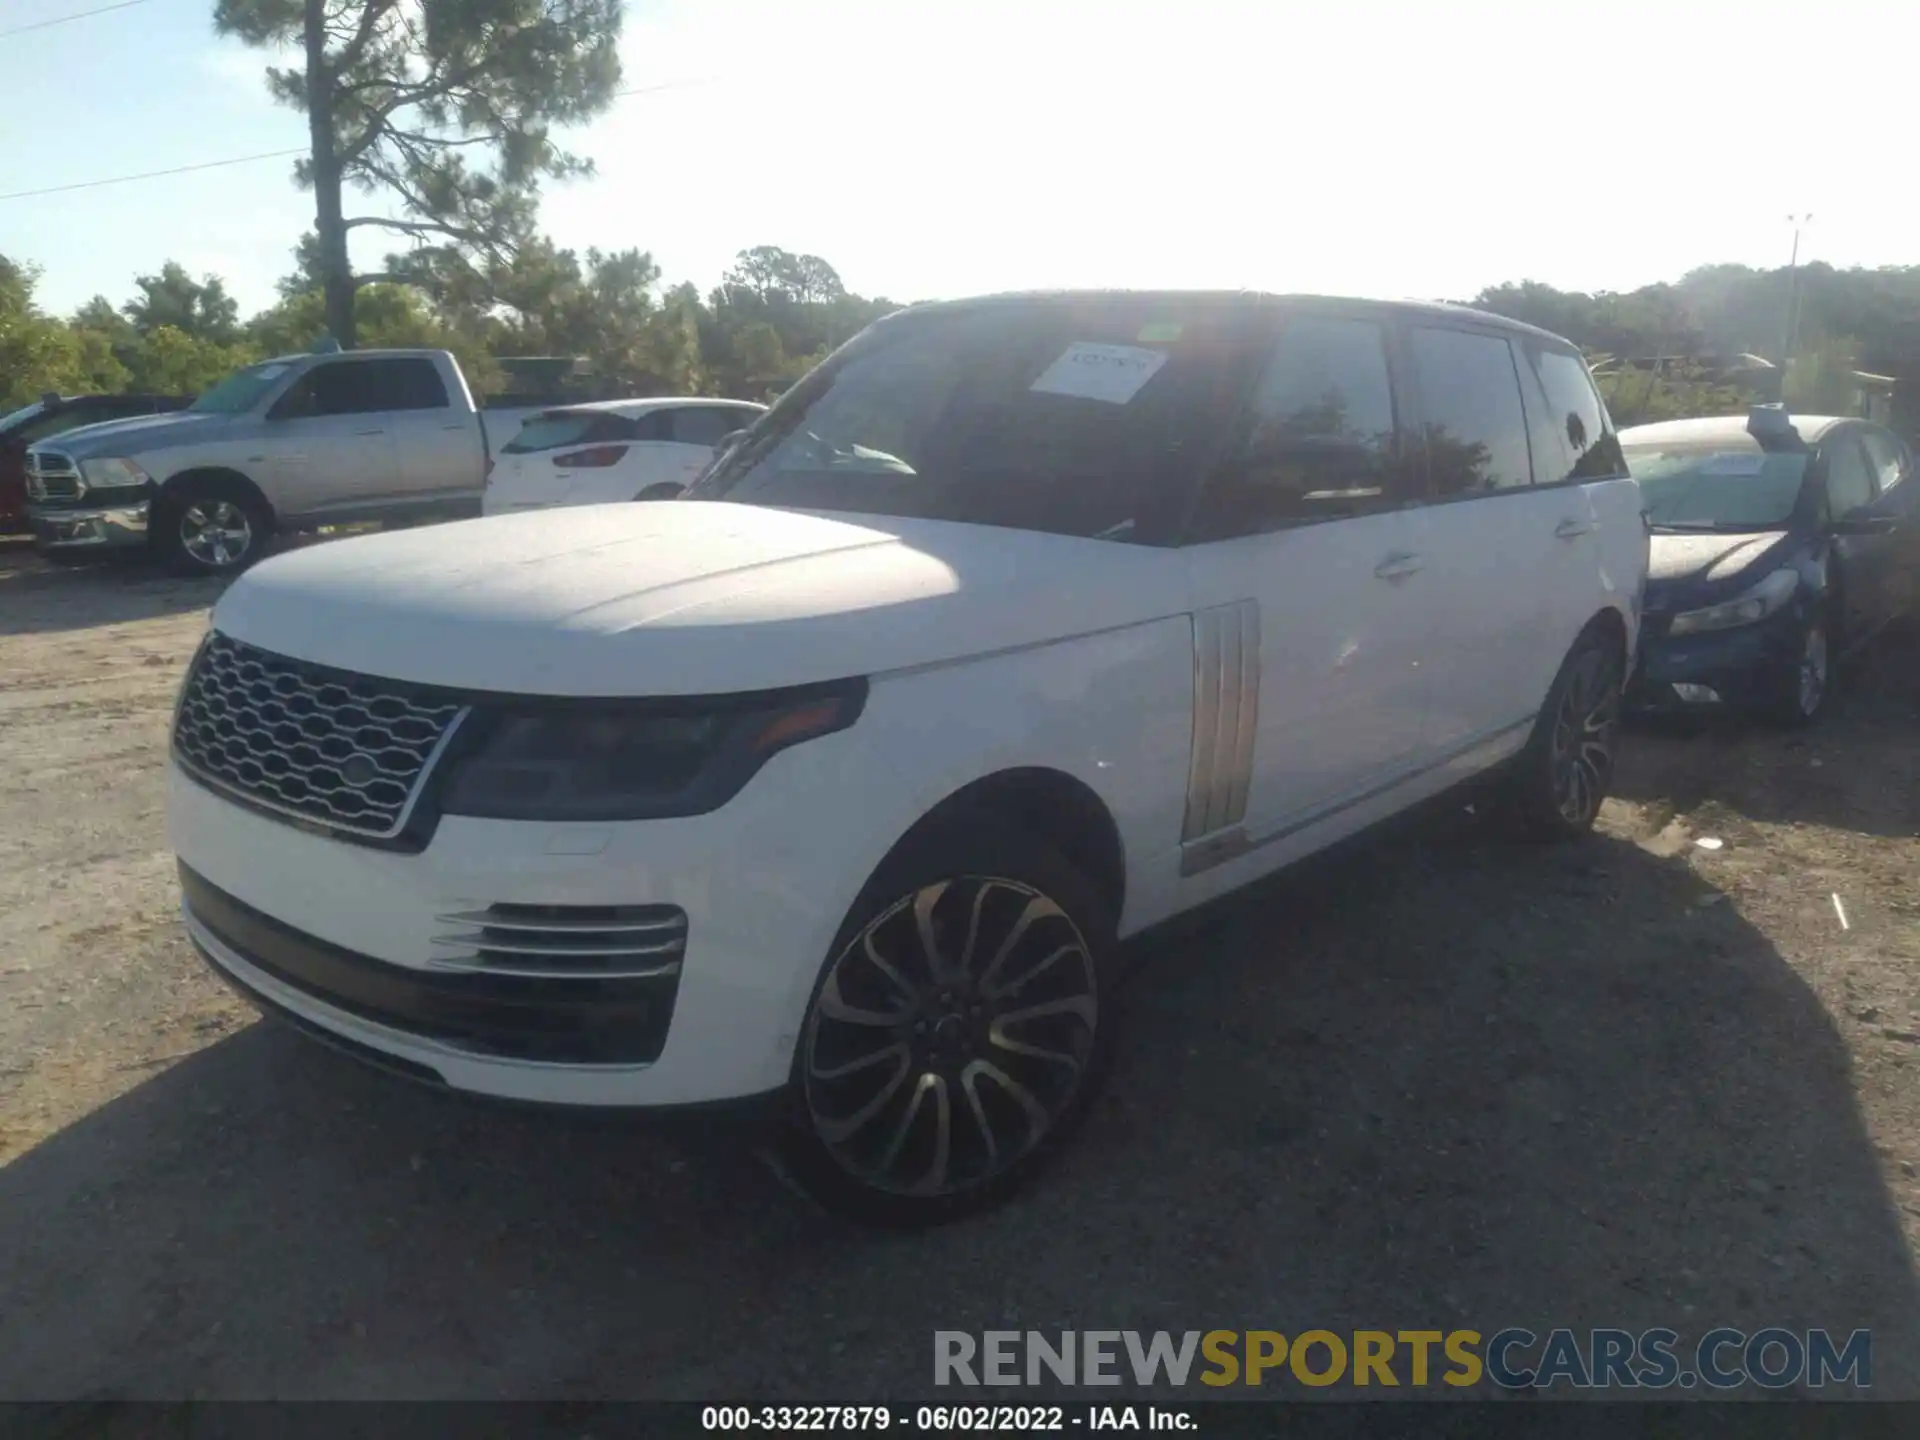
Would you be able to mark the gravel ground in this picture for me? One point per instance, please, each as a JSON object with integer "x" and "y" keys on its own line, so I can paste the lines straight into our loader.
{"x": 1432, "y": 1080}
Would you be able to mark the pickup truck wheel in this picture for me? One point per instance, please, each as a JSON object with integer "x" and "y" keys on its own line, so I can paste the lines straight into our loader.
{"x": 958, "y": 1032}
{"x": 1565, "y": 771}
{"x": 210, "y": 530}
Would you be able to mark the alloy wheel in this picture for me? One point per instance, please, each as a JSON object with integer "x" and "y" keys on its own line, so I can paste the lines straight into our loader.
{"x": 1584, "y": 732}
{"x": 216, "y": 533}
{"x": 1814, "y": 662}
{"x": 950, "y": 1036}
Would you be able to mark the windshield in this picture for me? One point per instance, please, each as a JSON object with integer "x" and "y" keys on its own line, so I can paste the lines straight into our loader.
{"x": 1081, "y": 417}
{"x": 18, "y": 417}
{"x": 1717, "y": 488}
{"x": 242, "y": 390}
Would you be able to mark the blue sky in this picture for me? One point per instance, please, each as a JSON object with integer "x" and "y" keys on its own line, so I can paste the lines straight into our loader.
{"x": 934, "y": 149}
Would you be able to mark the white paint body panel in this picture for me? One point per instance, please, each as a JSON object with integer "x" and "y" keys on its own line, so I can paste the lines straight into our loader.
{"x": 987, "y": 650}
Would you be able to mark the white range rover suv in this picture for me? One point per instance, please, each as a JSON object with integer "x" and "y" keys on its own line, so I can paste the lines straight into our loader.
{"x": 1017, "y": 626}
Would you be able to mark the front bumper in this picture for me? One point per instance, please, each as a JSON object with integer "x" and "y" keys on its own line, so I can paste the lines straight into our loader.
{"x": 1743, "y": 667}
{"x": 340, "y": 937}
{"x": 103, "y": 527}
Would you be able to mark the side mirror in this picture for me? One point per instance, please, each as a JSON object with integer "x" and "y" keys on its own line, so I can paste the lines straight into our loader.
{"x": 1864, "y": 525}
{"x": 662, "y": 490}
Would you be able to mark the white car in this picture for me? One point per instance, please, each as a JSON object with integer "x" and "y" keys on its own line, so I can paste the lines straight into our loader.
{"x": 609, "y": 450}
{"x": 1017, "y": 626}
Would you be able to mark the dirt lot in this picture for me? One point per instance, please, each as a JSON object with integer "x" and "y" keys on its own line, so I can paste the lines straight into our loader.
{"x": 1434, "y": 1080}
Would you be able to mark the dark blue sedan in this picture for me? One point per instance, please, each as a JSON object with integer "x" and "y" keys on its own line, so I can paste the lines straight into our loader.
{"x": 1779, "y": 543}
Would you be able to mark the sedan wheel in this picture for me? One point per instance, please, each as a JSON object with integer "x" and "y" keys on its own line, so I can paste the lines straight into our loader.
{"x": 1815, "y": 660}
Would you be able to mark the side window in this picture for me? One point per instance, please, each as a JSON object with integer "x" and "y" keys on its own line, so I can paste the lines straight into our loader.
{"x": 650, "y": 425}
{"x": 702, "y": 425}
{"x": 1579, "y": 419}
{"x": 1850, "y": 480}
{"x": 1475, "y": 429}
{"x": 1889, "y": 463}
{"x": 1320, "y": 440}
{"x": 741, "y": 419}
{"x": 402, "y": 384}
{"x": 324, "y": 390}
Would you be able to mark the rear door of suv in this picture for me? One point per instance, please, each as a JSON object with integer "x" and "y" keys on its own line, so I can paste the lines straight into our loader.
{"x": 1514, "y": 540}
{"x": 1311, "y": 593}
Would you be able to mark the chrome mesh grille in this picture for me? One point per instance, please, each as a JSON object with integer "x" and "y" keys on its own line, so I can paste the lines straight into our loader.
{"x": 350, "y": 752}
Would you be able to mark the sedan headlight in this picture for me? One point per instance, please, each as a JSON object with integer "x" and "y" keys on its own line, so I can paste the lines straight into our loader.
{"x": 111, "y": 474}
{"x": 1756, "y": 604}
{"x": 640, "y": 761}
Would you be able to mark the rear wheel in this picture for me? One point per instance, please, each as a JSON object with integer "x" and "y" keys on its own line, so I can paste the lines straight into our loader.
{"x": 209, "y": 528}
{"x": 1564, "y": 774}
{"x": 957, "y": 1033}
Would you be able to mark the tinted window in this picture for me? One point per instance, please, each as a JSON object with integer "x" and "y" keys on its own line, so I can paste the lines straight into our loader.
{"x": 410, "y": 384}
{"x": 1475, "y": 430}
{"x": 365, "y": 387}
{"x": 1850, "y": 478}
{"x": 578, "y": 427}
{"x": 1887, "y": 454}
{"x": 1578, "y": 418}
{"x": 1085, "y": 417}
{"x": 702, "y": 425}
{"x": 741, "y": 419}
{"x": 1319, "y": 440}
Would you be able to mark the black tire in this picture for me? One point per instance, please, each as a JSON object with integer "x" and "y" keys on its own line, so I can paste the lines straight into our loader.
{"x": 1563, "y": 775}
{"x": 209, "y": 527}
{"x": 974, "y": 877}
{"x": 1800, "y": 696}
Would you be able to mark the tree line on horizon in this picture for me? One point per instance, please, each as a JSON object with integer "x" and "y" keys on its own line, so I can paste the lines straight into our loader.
{"x": 773, "y": 315}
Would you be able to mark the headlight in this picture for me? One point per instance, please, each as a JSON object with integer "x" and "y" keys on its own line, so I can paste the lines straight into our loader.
{"x": 641, "y": 761}
{"x": 1758, "y": 603}
{"x": 111, "y": 474}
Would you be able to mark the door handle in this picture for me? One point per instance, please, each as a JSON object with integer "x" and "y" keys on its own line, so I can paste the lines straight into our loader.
{"x": 454, "y": 429}
{"x": 1399, "y": 565}
{"x": 369, "y": 432}
{"x": 1571, "y": 529}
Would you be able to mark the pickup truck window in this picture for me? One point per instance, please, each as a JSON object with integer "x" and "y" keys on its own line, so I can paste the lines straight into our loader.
{"x": 242, "y": 390}
{"x": 364, "y": 387}
{"x": 1090, "y": 417}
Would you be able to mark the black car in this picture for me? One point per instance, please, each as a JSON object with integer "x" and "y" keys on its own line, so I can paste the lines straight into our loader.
{"x": 1779, "y": 543}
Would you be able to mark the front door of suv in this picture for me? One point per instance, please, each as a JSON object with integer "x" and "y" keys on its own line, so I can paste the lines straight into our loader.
{"x": 1311, "y": 609}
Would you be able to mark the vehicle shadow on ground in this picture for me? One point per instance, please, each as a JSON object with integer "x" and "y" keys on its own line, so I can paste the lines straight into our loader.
{"x": 1780, "y": 776}
{"x": 1432, "y": 1081}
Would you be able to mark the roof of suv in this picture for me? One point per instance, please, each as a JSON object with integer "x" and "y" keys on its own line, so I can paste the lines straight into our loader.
{"x": 1433, "y": 309}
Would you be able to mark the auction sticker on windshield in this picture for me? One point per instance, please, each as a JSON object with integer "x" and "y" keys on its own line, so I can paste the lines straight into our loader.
{"x": 1113, "y": 373}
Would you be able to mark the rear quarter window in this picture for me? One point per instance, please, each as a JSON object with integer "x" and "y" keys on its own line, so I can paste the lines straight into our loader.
{"x": 1577, "y": 417}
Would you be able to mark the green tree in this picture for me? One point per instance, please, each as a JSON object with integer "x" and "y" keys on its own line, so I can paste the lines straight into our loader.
{"x": 171, "y": 362}
{"x": 399, "y": 96}
{"x": 37, "y": 353}
{"x": 199, "y": 309}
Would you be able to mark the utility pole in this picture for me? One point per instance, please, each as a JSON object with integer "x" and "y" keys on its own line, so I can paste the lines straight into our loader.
{"x": 1793, "y": 279}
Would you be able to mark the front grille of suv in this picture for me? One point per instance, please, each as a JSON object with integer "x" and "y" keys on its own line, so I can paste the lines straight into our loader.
{"x": 52, "y": 476}
{"x": 347, "y": 751}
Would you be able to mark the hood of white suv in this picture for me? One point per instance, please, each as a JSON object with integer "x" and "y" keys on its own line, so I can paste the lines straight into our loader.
{"x": 685, "y": 598}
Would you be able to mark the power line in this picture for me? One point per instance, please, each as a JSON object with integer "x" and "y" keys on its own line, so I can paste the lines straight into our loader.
{"x": 65, "y": 19}
{"x": 153, "y": 174}
{"x": 265, "y": 155}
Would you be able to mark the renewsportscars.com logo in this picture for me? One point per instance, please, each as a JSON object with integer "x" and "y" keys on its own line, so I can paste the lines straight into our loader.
{"x": 1512, "y": 1359}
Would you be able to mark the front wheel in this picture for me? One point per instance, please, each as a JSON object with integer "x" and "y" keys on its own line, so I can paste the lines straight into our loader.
{"x": 210, "y": 530}
{"x": 1565, "y": 771}
{"x": 958, "y": 1031}
{"x": 1802, "y": 694}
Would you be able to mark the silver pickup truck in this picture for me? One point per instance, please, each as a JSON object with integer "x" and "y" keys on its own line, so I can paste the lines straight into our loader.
{"x": 289, "y": 444}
